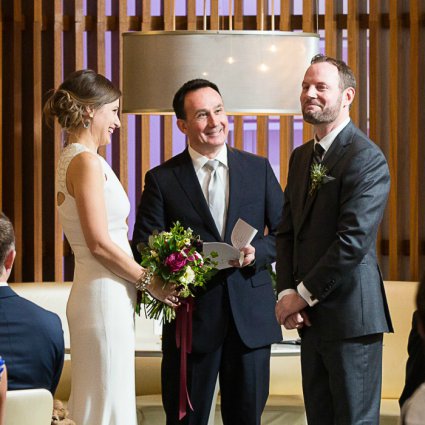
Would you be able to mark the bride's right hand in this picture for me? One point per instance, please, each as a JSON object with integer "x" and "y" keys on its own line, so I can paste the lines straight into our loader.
{"x": 165, "y": 292}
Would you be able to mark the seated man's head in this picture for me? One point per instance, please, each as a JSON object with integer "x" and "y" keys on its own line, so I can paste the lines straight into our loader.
{"x": 7, "y": 247}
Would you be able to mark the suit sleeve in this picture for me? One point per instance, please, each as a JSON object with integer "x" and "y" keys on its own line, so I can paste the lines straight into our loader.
{"x": 265, "y": 246}
{"x": 59, "y": 348}
{"x": 285, "y": 242}
{"x": 363, "y": 197}
{"x": 150, "y": 214}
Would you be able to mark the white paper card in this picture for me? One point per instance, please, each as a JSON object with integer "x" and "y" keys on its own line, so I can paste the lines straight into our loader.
{"x": 242, "y": 235}
{"x": 225, "y": 253}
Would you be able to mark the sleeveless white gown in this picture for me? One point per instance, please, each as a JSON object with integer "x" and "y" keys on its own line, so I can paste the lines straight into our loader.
{"x": 100, "y": 312}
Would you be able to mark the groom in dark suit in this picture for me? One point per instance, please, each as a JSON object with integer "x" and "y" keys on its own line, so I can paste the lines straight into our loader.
{"x": 328, "y": 280}
{"x": 233, "y": 320}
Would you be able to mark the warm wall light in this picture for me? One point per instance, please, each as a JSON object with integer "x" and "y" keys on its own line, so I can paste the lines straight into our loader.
{"x": 257, "y": 72}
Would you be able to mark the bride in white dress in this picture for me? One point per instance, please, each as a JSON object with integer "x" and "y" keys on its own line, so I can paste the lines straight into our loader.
{"x": 93, "y": 208}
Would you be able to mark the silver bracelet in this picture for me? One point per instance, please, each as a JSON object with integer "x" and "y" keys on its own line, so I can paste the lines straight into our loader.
{"x": 144, "y": 280}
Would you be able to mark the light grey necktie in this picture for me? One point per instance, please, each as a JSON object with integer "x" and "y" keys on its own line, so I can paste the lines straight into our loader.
{"x": 216, "y": 194}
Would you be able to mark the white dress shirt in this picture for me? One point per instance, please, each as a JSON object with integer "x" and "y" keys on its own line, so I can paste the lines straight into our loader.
{"x": 203, "y": 174}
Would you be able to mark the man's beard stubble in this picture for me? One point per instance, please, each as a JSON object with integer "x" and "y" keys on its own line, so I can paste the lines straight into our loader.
{"x": 324, "y": 116}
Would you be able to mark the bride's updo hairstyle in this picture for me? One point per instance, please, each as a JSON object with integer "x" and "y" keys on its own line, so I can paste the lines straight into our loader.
{"x": 81, "y": 92}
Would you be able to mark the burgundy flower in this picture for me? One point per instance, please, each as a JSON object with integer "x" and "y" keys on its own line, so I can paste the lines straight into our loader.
{"x": 175, "y": 261}
{"x": 194, "y": 257}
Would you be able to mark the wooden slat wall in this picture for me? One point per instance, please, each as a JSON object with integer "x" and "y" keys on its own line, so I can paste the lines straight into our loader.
{"x": 36, "y": 140}
{"x": 416, "y": 207}
{"x": 1, "y": 107}
{"x": 308, "y": 25}
{"x": 45, "y": 42}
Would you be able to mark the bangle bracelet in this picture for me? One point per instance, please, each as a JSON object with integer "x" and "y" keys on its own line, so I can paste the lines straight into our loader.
{"x": 144, "y": 280}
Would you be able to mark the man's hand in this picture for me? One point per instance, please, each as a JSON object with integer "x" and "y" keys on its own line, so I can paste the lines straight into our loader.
{"x": 288, "y": 305}
{"x": 297, "y": 320}
{"x": 249, "y": 257}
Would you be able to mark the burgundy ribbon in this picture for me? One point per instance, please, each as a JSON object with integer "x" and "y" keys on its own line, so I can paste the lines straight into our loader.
{"x": 184, "y": 342}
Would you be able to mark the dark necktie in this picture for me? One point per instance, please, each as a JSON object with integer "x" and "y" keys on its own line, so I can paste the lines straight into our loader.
{"x": 318, "y": 153}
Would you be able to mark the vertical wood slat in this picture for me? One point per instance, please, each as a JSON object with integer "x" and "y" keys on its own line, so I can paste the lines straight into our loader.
{"x": 394, "y": 252}
{"x": 37, "y": 143}
{"x": 145, "y": 119}
{"x": 262, "y": 121}
{"x": 1, "y": 108}
{"x": 238, "y": 132}
{"x": 286, "y": 138}
{"x": 96, "y": 43}
{"x": 79, "y": 34}
{"x": 17, "y": 136}
{"x": 353, "y": 28}
{"x": 309, "y": 25}
{"x": 375, "y": 30}
{"x": 96, "y": 38}
{"x": 57, "y": 79}
{"x": 214, "y": 18}
{"x": 238, "y": 121}
{"x": 167, "y": 121}
{"x": 286, "y": 11}
{"x": 262, "y": 11}
{"x": 333, "y": 36}
{"x": 286, "y": 124}
{"x": 123, "y": 140}
{"x": 262, "y": 135}
{"x": 357, "y": 61}
{"x": 238, "y": 15}
{"x": 415, "y": 117}
{"x": 191, "y": 15}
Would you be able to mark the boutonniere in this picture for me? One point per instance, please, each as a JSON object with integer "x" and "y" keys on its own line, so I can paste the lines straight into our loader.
{"x": 318, "y": 177}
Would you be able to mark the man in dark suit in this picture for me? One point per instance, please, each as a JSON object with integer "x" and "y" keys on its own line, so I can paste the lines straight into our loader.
{"x": 328, "y": 280}
{"x": 31, "y": 338}
{"x": 233, "y": 320}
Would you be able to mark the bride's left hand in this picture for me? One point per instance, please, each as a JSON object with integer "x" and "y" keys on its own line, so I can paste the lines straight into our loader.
{"x": 165, "y": 292}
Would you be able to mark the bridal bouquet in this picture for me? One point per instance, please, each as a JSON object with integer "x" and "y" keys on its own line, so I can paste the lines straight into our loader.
{"x": 175, "y": 256}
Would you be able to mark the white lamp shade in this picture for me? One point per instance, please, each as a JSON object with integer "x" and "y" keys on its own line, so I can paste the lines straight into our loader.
{"x": 257, "y": 72}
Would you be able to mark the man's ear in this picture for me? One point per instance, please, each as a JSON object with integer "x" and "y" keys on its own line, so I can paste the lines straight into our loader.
{"x": 348, "y": 96}
{"x": 8, "y": 262}
{"x": 181, "y": 124}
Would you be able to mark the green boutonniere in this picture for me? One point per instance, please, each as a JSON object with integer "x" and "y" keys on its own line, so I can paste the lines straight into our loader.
{"x": 317, "y": 177}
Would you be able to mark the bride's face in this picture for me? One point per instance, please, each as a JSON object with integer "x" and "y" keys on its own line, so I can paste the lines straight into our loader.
{"x": 105, "y": 121}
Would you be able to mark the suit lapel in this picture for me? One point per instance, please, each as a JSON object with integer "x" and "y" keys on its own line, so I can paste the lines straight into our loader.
{"x": 236, "y": 187}
{"x": 304, "y": 175}
{"x": 334, "y": 154}
{"x": 186, "y": 176}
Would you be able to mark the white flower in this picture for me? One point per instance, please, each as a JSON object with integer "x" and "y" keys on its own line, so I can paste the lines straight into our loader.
{"x": 188, "y": 276}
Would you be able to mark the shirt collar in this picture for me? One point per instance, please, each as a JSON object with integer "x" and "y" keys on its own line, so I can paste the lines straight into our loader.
{"x": 200, "y": 160}
{"x": 327, "y": 141}
{"x": 3, "y": 284}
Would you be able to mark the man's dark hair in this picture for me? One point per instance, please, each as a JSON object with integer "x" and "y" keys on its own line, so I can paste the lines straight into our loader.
{"x": 346, "y": 75}
{"x": 7, "y": 237}
{"x": 192, "y": 85}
